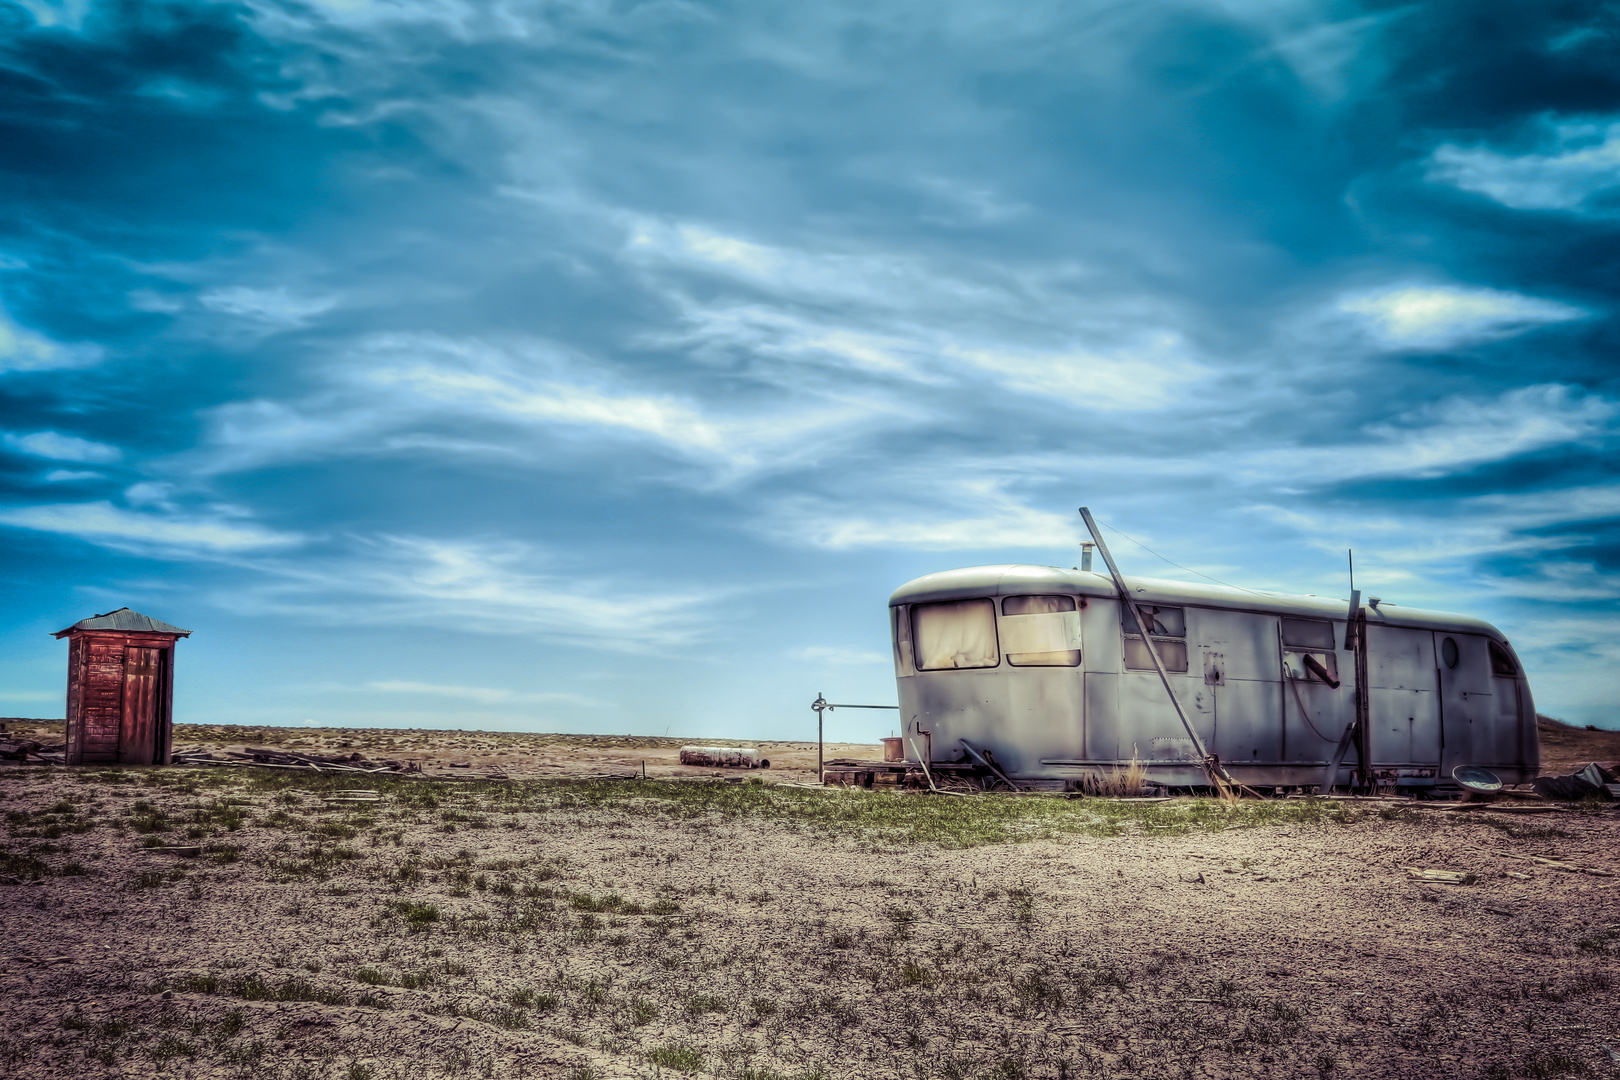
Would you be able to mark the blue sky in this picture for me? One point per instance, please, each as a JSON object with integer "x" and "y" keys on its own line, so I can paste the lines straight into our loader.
{"x": 603, "y": 366}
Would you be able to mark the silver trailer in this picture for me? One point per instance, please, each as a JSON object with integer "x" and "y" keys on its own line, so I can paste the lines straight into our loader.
{"x": 1047, "y": 669}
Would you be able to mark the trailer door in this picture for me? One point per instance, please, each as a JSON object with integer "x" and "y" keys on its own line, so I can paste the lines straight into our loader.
{"x": 1466, "y": 701}
{"x": 1403, "y": 712}
{"x": 1040, "y": 639}
{"x": 1237, "y": 664}
{"x": 137, "y": 729}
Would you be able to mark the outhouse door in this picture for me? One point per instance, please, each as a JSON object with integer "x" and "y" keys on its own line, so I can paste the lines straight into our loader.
{"x": 137, "y": 728}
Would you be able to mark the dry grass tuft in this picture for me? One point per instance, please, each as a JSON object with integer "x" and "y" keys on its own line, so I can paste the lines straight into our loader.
{"x": 1121, "y": 783}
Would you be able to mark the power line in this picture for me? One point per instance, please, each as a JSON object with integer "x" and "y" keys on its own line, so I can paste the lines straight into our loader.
{"x": 1177, "y": 565}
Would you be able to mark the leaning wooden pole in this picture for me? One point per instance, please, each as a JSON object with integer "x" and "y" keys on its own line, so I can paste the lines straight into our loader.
{"x": 1211, "y": 764}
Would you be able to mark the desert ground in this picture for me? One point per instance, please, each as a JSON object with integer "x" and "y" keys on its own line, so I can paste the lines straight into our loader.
{"x": 569, "y": 921}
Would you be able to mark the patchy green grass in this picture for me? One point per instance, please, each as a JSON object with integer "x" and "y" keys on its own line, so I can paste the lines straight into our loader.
{"x": 680, "y": 1057}
{"x": 873, "y": 816}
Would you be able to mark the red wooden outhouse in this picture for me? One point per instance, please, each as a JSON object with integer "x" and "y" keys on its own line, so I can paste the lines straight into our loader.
{"x": 120, "y": 693}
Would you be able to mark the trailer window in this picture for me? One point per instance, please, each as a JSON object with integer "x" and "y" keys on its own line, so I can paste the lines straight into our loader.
{"x": 1165, "y": 624}
{"x": 1308, "y": 633}
{"x": 959, "y": 634}
{"x": 1173, "y": 654}
{"x": 1040, "y": 631}
{"x": 1036, "y": 605}
{"x": 1166, "y": 621}
{"x": 902, "y": 638}
{"x": 1502, "y": 662}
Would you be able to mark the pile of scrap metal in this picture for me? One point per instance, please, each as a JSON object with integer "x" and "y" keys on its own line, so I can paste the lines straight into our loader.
{"x": 1592, "y": 782}
{"x": 730, "y": 757}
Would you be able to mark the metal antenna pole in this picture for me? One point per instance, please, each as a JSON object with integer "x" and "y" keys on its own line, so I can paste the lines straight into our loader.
{"x": 1211, "y": 766}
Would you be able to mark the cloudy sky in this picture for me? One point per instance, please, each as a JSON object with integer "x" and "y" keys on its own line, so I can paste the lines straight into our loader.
{"x": 603, "y": 366}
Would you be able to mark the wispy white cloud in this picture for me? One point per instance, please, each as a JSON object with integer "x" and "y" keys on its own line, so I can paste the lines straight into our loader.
{"x": 279, "y": 307}
{"x": 68, "y": 476}
{"x": 59, "y": 447}
{"x": 964, "y": 203}
{"x": 1584, "y": 162}
{"x": 484, "y": 695}
{"x": 875, "y": 279}
{"x": 973, "y": 513}
{"x": 501, "y": 389}
{"x": 1479, "y": 550}
{"x": 1436, "y": 439}
{"x": 151, "y": 493}
{"x": 215, "y": 533}
{"x": 473, "y": 587}
{"x": 24, "y": 350}
{"x": 1150, "y": 372}
{"x": 384, "y": 392}
{"x": 1420, "y": 316}
{"x": 67, "y": 14}
{"x": 155, "y": 302}
{"x": 1075, "y": 338}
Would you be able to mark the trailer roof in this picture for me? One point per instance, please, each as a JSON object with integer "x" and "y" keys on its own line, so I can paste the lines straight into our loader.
{"x": 1018, "y": 578}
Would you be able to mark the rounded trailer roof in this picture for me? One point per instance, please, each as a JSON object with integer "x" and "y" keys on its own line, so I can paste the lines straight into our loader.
{"x": 1011, "y": 579}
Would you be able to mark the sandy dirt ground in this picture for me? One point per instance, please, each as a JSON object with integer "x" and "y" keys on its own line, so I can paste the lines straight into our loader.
{"x": 566, "y": 925}
{"x": 588, "y": 929}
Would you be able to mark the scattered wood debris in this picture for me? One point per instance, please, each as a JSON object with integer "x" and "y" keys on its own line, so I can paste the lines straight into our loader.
{"x": 287, "y": 759}
{"x": 1500, "y": 808}
{"x": 1439, "y": 877}
{"x": 355, "y": 795}
{"x": 33, "y": 751}
{"x": 1570, "y": 868}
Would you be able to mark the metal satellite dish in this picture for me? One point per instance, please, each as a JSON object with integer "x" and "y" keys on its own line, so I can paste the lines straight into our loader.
{"x": 1475, "y": 778}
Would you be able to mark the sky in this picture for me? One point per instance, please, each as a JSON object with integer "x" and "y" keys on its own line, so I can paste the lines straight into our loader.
{"x": 603, "y": 366}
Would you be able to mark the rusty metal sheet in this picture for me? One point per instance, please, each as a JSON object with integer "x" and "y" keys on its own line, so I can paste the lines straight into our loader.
{"x": 124, "y": 620}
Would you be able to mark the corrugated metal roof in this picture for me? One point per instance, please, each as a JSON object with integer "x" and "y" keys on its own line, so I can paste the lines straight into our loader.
{"x": 124, "y": 619}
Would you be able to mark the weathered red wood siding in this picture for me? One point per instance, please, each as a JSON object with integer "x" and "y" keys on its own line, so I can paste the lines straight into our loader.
{"x": 120, "y": 697}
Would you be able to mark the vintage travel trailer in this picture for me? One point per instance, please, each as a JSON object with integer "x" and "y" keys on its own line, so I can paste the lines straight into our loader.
{"x": 1047, "y": 669}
